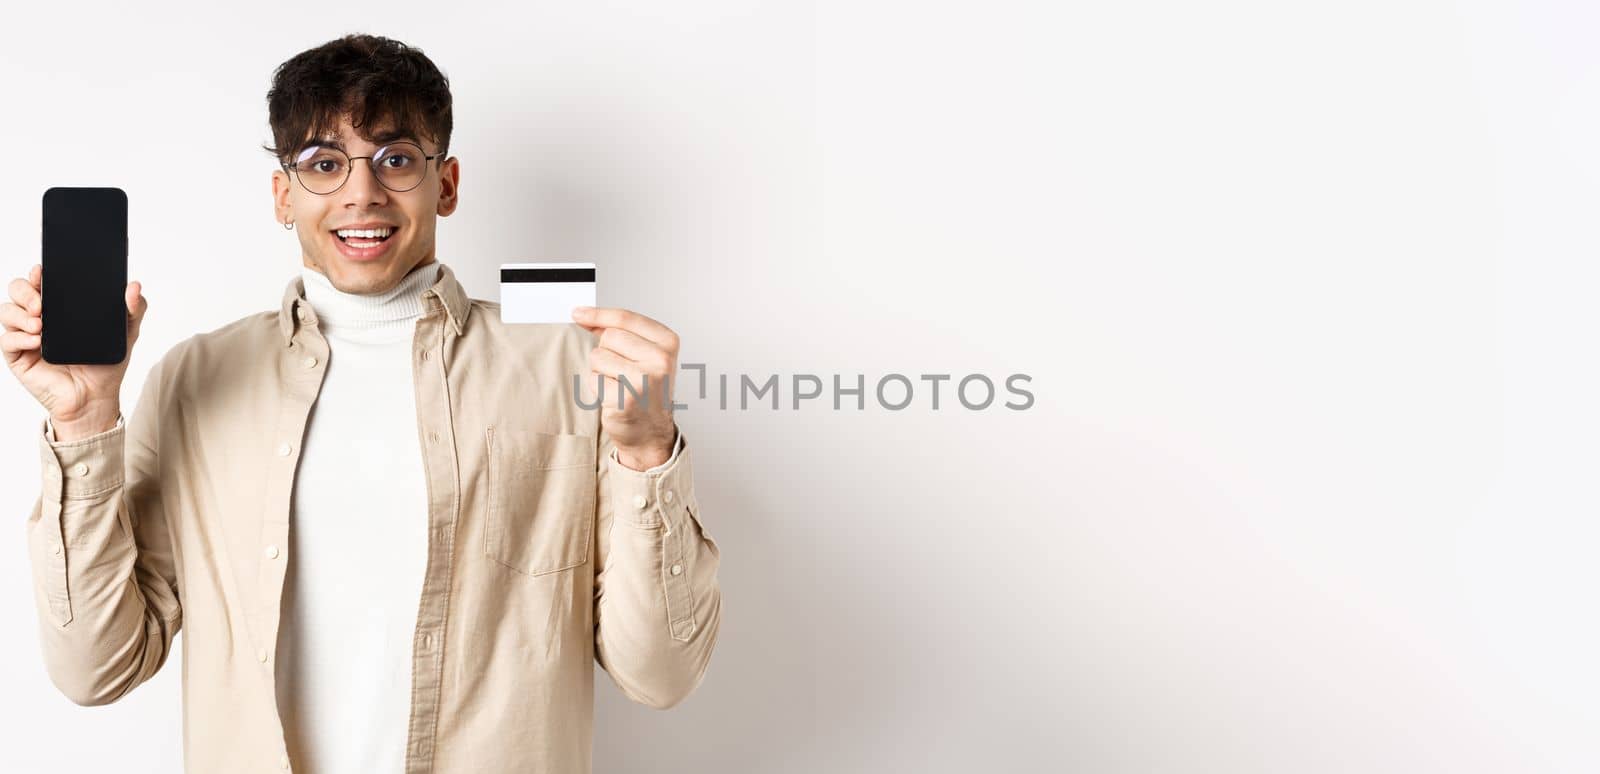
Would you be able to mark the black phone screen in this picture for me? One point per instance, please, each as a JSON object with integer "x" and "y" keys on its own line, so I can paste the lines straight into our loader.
{"x": 84, "y": 314}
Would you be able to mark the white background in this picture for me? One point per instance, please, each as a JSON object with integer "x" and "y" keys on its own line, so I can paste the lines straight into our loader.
{"x": 1306, "y": 292}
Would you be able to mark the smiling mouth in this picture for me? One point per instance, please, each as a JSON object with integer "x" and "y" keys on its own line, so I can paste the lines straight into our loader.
{"x": 363, "y": 241}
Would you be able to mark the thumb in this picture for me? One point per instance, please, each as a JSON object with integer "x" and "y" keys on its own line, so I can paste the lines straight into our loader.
{"x": 137, "y": 304}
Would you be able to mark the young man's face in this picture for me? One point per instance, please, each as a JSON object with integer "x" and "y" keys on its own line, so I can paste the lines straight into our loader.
{"x": 362, "y": 201}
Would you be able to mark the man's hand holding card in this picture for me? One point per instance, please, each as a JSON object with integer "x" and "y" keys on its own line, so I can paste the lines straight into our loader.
{"x": 645, "y": 352}
{"x": 631, "y": 346}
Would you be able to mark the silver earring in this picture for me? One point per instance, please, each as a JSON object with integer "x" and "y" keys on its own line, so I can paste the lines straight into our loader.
{"x": 288, "y": 225}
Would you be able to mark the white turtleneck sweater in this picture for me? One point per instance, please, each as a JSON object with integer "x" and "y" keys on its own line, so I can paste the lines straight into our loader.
{"x": 358, "y": 538}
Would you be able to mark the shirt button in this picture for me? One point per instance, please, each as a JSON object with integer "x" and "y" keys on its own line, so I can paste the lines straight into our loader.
{"x": 261, "y": 655}
{"x": 272, "y": 552}
{"x": 432, "y": 436}
{"x": 667, "y": 496}
{"x": 639, "y": 501}
{"x": 81, "y": 469}
{"x": 310, "y": 362}
{"x": 55, "y": 549}
{"x": 677, "y": 569}
{"x": 424, "y": 354}
{"x": 283, "y": 450}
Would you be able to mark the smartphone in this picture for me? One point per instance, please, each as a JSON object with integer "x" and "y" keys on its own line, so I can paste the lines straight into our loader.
{"x": 85, "y": 245}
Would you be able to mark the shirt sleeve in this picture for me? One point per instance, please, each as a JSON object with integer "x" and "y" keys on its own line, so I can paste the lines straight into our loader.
{"x": 658, "y": 605}
{"x": 103, "y": 569}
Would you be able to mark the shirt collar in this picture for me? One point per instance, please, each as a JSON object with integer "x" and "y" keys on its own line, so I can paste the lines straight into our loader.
{"x": 445, "y": 291}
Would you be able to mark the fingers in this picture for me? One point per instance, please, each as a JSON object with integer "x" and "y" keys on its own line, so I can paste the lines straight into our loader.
{"x": 13, "y": 317}
{"x": 604, "y": 361}
{"x": 612, "y": 317}
{"x": 14, "y": 344}
{"x": 22, "y": 312}
{"x": 25, "y": 294}
{"x": 20, "y": 317}
{"x": 610, "y": 364}
{"x": 631, "y": 346}
{"x": 642, "y": 378}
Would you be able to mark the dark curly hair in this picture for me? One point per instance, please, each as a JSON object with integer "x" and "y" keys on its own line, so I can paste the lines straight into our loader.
{"x": 369, "y": 78}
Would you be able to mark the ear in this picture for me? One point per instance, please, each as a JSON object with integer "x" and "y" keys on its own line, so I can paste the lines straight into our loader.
{"x": 449, "y": 185}
{"x": 281, "y": 207}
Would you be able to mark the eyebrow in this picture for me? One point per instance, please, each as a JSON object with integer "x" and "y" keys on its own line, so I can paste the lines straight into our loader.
{"x": 384, "y": 137}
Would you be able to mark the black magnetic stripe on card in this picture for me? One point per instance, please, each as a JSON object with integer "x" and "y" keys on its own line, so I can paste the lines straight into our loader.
{"x": 547, "y": 275}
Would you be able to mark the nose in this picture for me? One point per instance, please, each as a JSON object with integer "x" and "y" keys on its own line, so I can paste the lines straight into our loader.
{"x": 363, "y": 187}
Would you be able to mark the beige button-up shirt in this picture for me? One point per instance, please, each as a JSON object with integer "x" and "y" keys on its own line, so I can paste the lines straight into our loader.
{"x": 545, "y": 553}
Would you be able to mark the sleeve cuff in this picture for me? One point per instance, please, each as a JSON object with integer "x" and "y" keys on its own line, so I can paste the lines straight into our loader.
{"x": 85, "y": 467}
{"x": 661, "y": 494}
{"x": 50, "y": 427}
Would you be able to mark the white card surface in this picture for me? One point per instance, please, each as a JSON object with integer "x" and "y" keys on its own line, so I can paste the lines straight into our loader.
{"x": 544, "y": 292}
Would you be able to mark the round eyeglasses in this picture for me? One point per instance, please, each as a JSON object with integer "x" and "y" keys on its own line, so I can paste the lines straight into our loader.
{"x": 323, "y": 169}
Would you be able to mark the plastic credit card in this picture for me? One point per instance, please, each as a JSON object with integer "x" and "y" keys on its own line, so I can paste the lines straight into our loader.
{"x": 544, "y": 292}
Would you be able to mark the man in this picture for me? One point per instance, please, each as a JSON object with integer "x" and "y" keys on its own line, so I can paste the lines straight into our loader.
{"x": 394, "y": 539}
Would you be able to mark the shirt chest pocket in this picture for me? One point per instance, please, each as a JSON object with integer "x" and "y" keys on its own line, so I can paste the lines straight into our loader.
{"x": 541, "y": 499}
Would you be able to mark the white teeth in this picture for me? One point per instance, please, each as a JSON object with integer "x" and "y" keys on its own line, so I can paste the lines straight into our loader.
{"x": 369, "y": 233}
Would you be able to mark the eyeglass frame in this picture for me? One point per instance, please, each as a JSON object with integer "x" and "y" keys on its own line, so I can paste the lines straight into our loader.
{"x": 349, "y": 168}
